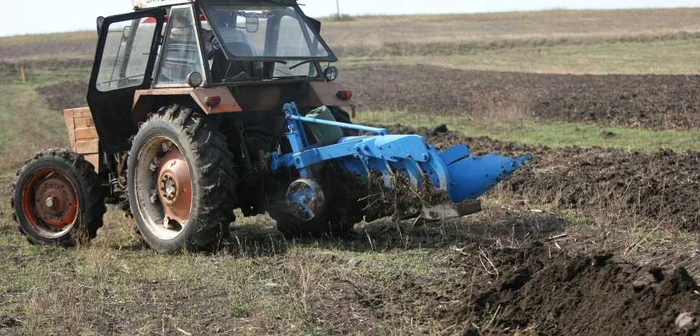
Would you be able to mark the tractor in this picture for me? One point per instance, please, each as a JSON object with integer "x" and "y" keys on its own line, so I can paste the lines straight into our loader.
{"x": 197, "y": 108}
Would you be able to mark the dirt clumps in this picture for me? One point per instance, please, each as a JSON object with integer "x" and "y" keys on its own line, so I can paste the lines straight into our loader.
{"x": 646, "y": 101}
{"x": 660, "y": 187}
{"x": 663, "y": 186}
{"x": 583, "y": 295}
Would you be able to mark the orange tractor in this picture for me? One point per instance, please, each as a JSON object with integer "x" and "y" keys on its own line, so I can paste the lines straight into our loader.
{"x": 200, "y": 107}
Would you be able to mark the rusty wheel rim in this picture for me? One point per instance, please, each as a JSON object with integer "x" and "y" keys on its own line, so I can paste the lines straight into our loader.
{"x": 50, "y": 203}
{"x": 163, "y": 186}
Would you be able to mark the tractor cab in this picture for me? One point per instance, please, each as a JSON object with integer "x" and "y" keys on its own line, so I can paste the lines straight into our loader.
{"x": 221, "y": 42}
{"x": 218, "y": 56}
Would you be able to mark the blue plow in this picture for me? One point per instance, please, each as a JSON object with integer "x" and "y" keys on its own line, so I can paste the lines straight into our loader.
{"x": 454, "y": 172}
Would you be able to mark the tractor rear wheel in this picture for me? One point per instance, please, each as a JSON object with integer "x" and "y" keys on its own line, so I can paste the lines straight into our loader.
{"x": 181, "y": 182}
{"x": 57, "y": 199}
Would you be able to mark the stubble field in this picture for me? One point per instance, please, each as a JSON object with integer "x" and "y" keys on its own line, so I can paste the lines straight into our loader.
{"x": 599, "y": 235}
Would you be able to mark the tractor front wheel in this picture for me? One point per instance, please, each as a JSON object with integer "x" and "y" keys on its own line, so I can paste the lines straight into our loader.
{"x": 57, "y": 199}
{"x": 181, "y": 182}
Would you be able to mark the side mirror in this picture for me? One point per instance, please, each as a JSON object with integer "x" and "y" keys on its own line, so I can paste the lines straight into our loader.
{"x": 252, "y": 25}
{"x": 100, "y": 24}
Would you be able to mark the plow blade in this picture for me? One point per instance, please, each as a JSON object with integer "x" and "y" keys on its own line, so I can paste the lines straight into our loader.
{"x": 471, "y": 177}
{"x": 468, "y": 178}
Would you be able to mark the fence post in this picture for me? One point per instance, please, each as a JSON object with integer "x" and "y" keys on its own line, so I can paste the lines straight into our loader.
{"x": 23, "y": 73}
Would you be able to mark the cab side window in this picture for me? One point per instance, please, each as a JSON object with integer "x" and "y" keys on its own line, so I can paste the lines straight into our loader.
{"x": 181, "y": 54}
{"x": 125, "y": 54}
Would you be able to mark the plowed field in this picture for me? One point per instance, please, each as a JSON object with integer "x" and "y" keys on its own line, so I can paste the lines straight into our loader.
{"x": 645, "y": 101}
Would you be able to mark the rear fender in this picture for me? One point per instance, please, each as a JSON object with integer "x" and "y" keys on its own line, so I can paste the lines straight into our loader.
{"x": 143, "y": 100}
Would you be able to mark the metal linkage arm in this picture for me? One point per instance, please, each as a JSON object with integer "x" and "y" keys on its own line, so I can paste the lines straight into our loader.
{"x": 380, "y": 131}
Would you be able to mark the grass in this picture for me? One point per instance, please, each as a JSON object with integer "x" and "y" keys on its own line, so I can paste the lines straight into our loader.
{"x": 660, "y": 57}
{"x": 117, "y": 285}
{"x": 270, "y": 285}
{"x": 26, "y": 126}
{"x": 378, "y": 30}
{"x": 554, "y": 134}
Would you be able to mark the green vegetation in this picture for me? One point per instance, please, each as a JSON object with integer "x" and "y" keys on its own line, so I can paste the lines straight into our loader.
{"x": 27, "y": 125}
{"x": 658, "y": 57}
{"x": 554, "y": 134}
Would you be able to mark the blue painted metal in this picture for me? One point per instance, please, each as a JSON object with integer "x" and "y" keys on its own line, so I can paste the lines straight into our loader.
{"x": 456, "y": 171}
{"x": 380, "y": 131}
{"x": 472, "y": 176}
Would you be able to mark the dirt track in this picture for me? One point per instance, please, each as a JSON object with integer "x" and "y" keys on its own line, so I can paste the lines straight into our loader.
{"x": 65, "y": 95}
{"x": 649, "y": 101}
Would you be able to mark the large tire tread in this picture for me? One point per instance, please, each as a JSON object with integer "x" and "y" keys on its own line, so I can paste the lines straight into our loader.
{"x": 92, "y": 207}
{"x": 214, "y": 212}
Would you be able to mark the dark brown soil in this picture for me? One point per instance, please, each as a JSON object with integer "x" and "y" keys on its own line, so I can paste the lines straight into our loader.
{"x": 648, "y": 101}
{"x": 582, "y": 295}
{"x": 64, "y": 95}
{"x": 661, "y": 187}
{"x": 569, "y": 287}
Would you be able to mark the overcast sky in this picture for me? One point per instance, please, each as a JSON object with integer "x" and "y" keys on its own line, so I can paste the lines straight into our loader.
{"x": 42, "y": 16}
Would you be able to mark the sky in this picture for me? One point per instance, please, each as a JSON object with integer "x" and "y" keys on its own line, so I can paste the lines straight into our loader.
{"x": 45, "y": 16}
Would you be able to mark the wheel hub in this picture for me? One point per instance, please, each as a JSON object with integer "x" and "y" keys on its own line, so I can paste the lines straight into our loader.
{"x": 55, "y": 202}
{"x": 174, "y": 186}
{"x": 306, "y": 199}
{"x": 168, "y": 188}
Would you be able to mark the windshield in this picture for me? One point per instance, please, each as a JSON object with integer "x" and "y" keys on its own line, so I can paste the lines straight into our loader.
{"x": 265, "y": 32}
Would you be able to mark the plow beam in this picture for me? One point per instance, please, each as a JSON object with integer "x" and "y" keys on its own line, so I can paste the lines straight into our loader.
{"x": 456, "y": 172}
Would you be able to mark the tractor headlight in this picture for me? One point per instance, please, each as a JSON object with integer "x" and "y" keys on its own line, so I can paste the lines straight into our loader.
{"x": 194, "y": 79}
{"x": 331, "y": 73}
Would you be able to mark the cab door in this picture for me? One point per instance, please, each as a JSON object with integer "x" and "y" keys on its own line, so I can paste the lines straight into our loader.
{"x": 126, "y": 53}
